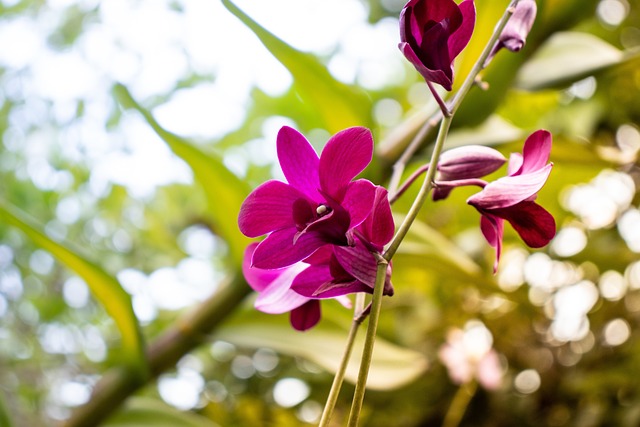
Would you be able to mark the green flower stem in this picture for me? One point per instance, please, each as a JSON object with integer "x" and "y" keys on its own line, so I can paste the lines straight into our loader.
{"x": 339, "y": 377}
{"x": 459, "y": 404}
{"x": 370, "y": 338}
{"x": 383, "y": 261}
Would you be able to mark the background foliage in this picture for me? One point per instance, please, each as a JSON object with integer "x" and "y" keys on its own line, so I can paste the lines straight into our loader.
{"x": 132, "y": 131}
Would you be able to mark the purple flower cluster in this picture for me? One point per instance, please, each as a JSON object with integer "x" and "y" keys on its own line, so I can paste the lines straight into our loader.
{"x": 322, "y": 226}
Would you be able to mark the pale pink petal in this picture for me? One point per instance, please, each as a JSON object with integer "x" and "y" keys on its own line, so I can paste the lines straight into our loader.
{"x": 346, "y": 154}
{"x": 489, "y": 371}
{"x": 305, "y": 317}
{"x": 515, "y": 164}
{"x": 278, "y": 297}
{"x": 278, "y": 250}
{"x": 299, "y": 162}
{"x": 269, "y": 207}
{"x": 257, "y": 278}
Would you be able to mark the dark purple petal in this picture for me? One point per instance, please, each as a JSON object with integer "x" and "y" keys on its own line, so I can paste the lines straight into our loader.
{"x": 299, "y": 162}
{"x": 256, "y": 278}
{"x": 510, "y": 190}
{"x": 492, "y": 228}
{"x": 269, "y": 207}
{"x": 378, "y": 228}
{"x": 358, "y": 262}
{"x": 460, "y": 38}
{"x": 358, "y": 201}
{"x": 533, "y": 223}
{"x": 278, "y": 250}
{"x": 436, "y": 76}
{"x": 434, "y": 51}
{"x": 435, "y": 10}
{"x": 317, "y": 282}
{"x": 536, "y": 152}
{"x": 305, "y": 317}
{"x": 346, "y": 154}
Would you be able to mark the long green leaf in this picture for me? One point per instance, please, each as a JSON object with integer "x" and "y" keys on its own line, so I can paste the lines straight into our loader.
{"x": 224, "y": 190}
{"x": 338, "y": 104}
{"x": 142, "y": 411}
{"x": 5, "y": 420}
{"x": 392, "y": 366}
{"x": 106, "y": 289}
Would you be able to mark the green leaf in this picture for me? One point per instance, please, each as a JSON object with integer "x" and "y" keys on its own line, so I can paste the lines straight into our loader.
{"x": 565, "y": 58}
{"x": 225, "y": 192}
{"x": 493, "y": 131}
{"x": 141, "y": 412}
{"x": 392, "y": 366}
{"x": 106, "y": 289}
{"x": 338, "y": 105}
{"x": 5, "y": 420}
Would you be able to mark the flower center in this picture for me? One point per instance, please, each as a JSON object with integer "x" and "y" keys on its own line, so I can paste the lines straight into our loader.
{"x": 322, "y": 210}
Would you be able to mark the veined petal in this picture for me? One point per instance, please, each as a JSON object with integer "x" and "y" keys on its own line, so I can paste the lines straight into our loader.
{"x": 533, "y": 223}
{"x": 378, "y": 228}
{"x": 311, "y": 282}
{"x": 436, "y": 76}
{"x": 306, "y": 316}
{"x": 278, "y": 249}
{"x": 436, "y": 11}
{"x": 346, "y": 154}
{"x": 358, "y": 262}
{"x": 299, "y": 162}
{"x": 257, "y": 278}
{"x": 269, "y": 207}
{"x": 358, "y": 201}
{"x": 460, "y": 38}
{"x": 536, "y": 151}
{"x": 492, "y": 229}
{"x": 278, "y": 297}
{"x": 510, "y": 190}
{"x": 515, "y": 164}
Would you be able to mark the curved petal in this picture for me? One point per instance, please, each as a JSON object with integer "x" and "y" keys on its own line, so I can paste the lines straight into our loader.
{"x": 278, "y": 297}
{"x": 510, "y": 190}
{"x": 436, "y": 11}
{"x": 533, "y": 223}
{"x": 358, "y": 201}
{"x": 358, "y": 262}
{"x": 299, "y": 162}
{"x": 536, "y": 151}
{"x": 460, "y": 38}
{"x": 269, "y": 207}
{"x": 278, "y": 249}
{"x": 515, "y": 164}
{"x": 346, "y": 154}
{"x": 317, "y": 282}
{"x": 435, "y": 76}
{"x": 306, "y": 316}
{"x": 492, "y": 229}
{"x": 257, "y": 278}
{"x": 378, "y": 228}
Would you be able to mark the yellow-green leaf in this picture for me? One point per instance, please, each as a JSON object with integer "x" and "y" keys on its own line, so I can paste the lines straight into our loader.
{"x": 224, "y": 190}
{"x": 106, "y": 289}
{"x": 338, "y": 104}
{"x": 144, "y": 411}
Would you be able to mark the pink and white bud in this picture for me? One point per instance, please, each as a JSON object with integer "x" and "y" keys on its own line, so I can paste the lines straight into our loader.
{"x": 514, "y": 35}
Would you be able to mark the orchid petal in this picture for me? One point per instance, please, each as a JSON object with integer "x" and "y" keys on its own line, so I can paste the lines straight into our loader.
{"x": 436, "y": 76}
{"x": 305, "y": 317}
{"x": 510, "y": 190}
{"x": 492, "y": 228}
{"x": 278, "y": 297}
{"x": 299, "y": 162}
{"x": 257, "y": 278}
{"x": 460, "y": 38}
{"x": 536, "y": 152}
{"x": 358, "y": 201}
{"x": 269, "y": 207}
{"x": 378, "y": 228}
{"x": 278, "y": 250}
{"x": 533, "y": 223}
{"x": 358, "y": 262}
{"x": 316, "y": 278}
{"x": 515, "y": 164}
{"x": 346, "y": 154}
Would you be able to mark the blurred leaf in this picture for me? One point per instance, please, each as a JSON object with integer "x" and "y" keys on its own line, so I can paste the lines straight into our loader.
{"x": 566, "y": 58}
{"x": 141, "y": 411}
{"x": 106, "y": 289}
{"x": 338, "y": 104}
{"x": 495, "y": 130}
{"x": 392, "y": 366}
{"x": 5, "y": 420}
{"x": 225, "y": 191}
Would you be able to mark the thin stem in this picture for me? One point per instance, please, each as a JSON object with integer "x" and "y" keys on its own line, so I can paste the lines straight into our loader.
{"x": 367, "y": 352}
{"x": 439, "y": 100}
{"x": 422, "y": 169}
{"x": 339, "y": 377}
{"x": 459, "y": 404}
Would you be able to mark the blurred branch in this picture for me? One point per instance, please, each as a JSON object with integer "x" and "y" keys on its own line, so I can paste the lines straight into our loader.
{"x": 187, "y": 333}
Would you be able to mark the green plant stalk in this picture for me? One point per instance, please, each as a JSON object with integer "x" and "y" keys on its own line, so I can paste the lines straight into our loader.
{"x": 370, "y": 338}
{"x": 445, "y": 124}
{"x": 459, "y": 404}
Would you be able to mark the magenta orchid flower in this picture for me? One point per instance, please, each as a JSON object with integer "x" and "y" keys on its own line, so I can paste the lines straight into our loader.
{"x": 340, "y": 270}
{"x": 320, "y": 203}
{"x": 512, "y": 198}
{"x": 462, "y": 163}
{"x": 275, "y": 295}
{"x": 433, "y": 33}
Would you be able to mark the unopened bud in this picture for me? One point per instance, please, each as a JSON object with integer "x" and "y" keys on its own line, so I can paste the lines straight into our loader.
{"x": 514, "y": 35}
